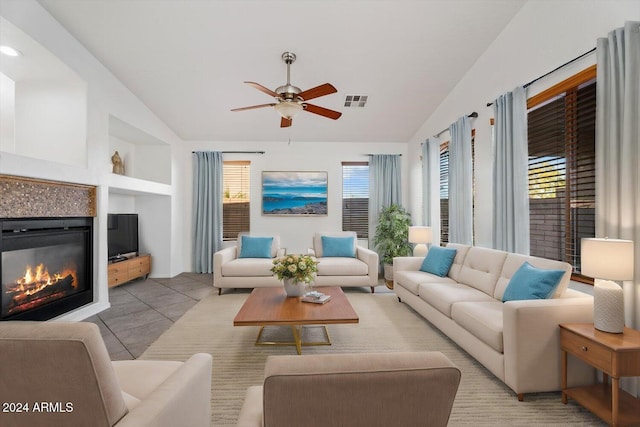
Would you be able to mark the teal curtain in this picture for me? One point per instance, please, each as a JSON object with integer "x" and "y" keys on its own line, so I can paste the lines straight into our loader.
{"x": 384, "y": 186}
{"x": 460, "y": 183}
{"x": 207, "y": 209}
{"x": 510, "y": 173}
{"x": 430, "y": 182}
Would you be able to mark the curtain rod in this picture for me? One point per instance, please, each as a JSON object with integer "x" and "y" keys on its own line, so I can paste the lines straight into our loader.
{"x": 571, "y": 61}
{"x": 235, "y": 152}
{"x": 382, "y": 153}
{"x": 472, "y": 115}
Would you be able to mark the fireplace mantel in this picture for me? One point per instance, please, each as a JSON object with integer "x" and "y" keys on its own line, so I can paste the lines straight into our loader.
{"x": 35, "y": 198}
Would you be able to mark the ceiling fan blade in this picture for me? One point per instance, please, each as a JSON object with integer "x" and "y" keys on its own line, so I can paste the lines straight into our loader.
{"x": 253, "y": 107}
{"x": 262, "y": 89}
{"x": 285, "y": 123}
{"x": 322, "y": 111}
{"x": 318, "y": 91}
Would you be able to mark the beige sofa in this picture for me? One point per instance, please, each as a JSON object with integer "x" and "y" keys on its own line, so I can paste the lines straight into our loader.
{"x": 518, "y": 341}
{"x": 65, "y": 366}
{"x": 361, "y": 270}
{"x": 411, "y": 390}
{"x": 229, "y": 271}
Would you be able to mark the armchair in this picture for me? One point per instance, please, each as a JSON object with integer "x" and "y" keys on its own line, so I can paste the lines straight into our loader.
{"x": 62, "y": 371}
{"x": 335, "y": 390}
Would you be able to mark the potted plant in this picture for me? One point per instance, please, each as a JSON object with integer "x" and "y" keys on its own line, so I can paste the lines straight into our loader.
{"x": 392, "y": 237}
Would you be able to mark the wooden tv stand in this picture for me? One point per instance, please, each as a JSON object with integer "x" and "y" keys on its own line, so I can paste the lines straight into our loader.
{"x": 124, "y": 271}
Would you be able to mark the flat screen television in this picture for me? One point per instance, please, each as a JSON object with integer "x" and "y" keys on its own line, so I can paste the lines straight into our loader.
{"x": 122, "y": 235}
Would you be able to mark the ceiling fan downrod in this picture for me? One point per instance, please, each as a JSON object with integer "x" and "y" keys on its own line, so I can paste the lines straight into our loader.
{"x": 288, "y": 91}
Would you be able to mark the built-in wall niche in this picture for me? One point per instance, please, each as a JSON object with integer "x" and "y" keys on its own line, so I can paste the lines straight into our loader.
{"x": 144, "y": 156}
{"x": 43, "y": 103}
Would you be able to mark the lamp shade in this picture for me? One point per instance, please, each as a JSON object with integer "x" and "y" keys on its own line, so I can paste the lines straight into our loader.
{"x": 419, "y": 234}
{"x": 610, "y": 259}
{"x": 288, "y": 109}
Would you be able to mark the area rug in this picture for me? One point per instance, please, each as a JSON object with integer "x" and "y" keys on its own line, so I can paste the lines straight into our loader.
{"x": 385, "y": 325}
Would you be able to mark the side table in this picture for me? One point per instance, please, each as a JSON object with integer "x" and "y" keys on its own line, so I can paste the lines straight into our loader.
{"x": 616, "y": 355}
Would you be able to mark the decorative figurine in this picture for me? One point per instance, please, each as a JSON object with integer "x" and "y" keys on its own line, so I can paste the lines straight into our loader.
{"x": 118, "y": 166}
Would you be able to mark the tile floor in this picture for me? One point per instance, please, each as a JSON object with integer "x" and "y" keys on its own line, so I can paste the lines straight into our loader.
{"x": 144, "y": 309}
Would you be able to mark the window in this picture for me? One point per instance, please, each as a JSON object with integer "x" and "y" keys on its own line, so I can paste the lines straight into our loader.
{"x": 562, "y": 171}
{"x": 236, "y": 198}
{"x": 444, "y": 193}
{"x": 444, "y": 186}
{"x": 355, "y": 198}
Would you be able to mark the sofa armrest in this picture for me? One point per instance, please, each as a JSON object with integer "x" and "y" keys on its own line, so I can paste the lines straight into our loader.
{"x": 184, "y": 398}
{"x": 370, "y": 258}
{"x": 532, "y": 342}
{"x": 219, "y": 258}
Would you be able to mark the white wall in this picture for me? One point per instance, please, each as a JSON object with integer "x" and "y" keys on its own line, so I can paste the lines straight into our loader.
{"x": 107, "y": 97}
{"x": 295, "y": 232}
{"x": 7, "y": 113}
{"x": 542, "y": 36}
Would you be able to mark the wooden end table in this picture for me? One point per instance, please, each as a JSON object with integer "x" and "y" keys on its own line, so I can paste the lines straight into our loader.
{"x": 616, "y": 355}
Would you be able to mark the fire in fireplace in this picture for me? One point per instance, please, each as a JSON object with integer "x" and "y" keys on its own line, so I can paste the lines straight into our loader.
{"x": 46, "y": 267}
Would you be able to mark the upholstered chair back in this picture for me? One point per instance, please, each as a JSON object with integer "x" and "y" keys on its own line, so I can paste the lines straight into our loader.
{"x": 64, "y": 369}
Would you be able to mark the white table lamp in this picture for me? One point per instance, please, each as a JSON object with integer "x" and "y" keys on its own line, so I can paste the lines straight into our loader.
{"x": 606, "y": 260}
{"x": 421, "y": 236}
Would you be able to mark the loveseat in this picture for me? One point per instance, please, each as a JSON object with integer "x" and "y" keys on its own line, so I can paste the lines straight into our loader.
{"x": 336, "y": 390}
{"x": 60, "y": 374}
{"x": 233, "y": 268}
{"x": 517, "y": 340}
{"x": 348, "y": 265}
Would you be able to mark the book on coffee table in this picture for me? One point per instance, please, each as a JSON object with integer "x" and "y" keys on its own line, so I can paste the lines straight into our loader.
{"x": 316, "y": 299}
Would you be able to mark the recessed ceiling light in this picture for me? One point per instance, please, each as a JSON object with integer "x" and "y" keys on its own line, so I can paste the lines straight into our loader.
{"x": 9, "y": 51}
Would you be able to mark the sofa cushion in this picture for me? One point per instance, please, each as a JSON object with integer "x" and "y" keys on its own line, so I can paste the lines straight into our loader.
{"x": 317, "y": 240}
{"x": 442, "y": 296}
{"x": 513, "y": 263}
{"x": 482, "y": 319}
{"x": 275, "y": 244}
{"x": 338, "y": 246}
{"x": 438, "y": 261}
{"x": 530, "y": 282}
{"x": 340, "y": 266}
{"x": 410, "y": 280}
{"x": 481, "y": 268}
{"x": 255, "y": 247}
{"x": 458, "y": 261}
{"x": 248, "y": 267}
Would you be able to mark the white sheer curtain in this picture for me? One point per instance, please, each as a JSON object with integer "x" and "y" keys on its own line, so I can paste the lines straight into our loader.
{"x": 618, "y": 154}
{"x": 207, "y": 209}
{"x": 384, "y": 186}
{"x": 460, "y": 183}
{"x": 430, "y": 184}
{"x": 510, "y": 179}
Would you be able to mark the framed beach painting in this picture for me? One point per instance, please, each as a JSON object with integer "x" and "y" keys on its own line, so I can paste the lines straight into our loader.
{"x": 294, "y": 193}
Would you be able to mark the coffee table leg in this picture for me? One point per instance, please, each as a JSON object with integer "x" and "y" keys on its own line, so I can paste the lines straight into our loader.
{"x": 297, "y": 337}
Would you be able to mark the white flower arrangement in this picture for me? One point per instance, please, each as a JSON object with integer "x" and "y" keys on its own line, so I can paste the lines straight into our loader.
{"x": 302, "y": 268}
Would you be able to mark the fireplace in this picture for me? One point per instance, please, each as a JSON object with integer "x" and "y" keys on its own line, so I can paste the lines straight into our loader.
{"x": 46, "y": 267}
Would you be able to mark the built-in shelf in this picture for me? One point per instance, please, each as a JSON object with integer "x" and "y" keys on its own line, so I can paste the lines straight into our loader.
{"x": 122, "y": 184}
{"x": 145, "y": 157}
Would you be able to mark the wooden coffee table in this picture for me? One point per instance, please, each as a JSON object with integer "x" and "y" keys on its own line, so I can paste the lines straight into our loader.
{"x": 271, "y": 307}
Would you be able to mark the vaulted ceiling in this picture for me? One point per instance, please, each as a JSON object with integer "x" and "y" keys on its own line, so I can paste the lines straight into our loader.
{"x": 187, "y": 59}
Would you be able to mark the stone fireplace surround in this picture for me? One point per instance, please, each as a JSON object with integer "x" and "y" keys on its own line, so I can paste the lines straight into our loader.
{"x": 47, "y": 206}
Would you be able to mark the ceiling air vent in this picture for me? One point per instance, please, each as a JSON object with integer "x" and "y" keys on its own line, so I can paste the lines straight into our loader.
{"x": 355, "y": 101}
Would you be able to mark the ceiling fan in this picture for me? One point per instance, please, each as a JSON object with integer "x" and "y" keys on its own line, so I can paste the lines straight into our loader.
{"x": 291, "y": 100}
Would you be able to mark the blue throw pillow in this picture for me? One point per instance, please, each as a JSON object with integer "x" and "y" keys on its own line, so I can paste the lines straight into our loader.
{"x": 255, "y": 247}
{"x": 530, "y": 282}
{"x": 438, "y": 260}
{"x": 338, "y": 247}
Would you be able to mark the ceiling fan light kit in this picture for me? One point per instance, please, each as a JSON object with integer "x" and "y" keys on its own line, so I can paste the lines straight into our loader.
{"x": 290, "y": 100}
